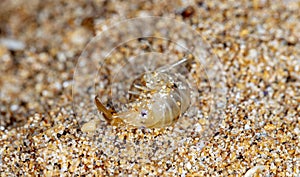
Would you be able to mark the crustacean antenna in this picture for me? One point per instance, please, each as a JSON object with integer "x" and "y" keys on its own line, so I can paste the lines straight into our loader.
{"x": 167, "y": 68}
{"x": 107, "y": 113}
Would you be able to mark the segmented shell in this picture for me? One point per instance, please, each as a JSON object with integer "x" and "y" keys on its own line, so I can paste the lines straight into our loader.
{"x": 157, "y": 100}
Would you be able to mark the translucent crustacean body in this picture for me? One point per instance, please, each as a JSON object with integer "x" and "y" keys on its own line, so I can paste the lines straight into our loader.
{"x": 158, "y": 98}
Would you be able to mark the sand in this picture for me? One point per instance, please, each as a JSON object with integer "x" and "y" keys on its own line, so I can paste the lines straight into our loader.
{"x": 257, "y": 43}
